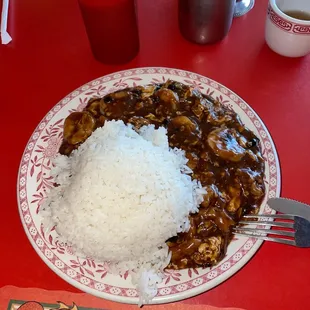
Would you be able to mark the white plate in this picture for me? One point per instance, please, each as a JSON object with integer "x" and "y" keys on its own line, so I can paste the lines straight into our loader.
{"x": 91, "y": 276}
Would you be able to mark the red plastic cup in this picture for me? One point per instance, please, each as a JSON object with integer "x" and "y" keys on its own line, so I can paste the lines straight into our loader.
{"x": 112, "y": 29}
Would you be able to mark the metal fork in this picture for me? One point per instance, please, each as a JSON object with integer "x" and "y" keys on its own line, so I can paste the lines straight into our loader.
{"x": 299, "y": 229}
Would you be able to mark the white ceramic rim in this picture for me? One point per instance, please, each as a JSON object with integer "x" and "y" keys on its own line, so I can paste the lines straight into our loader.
{"x": 176, "y": 296}
{"x": 273, "y": 4}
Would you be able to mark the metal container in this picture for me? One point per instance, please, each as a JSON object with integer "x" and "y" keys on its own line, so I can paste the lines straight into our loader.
{"x": 205, "y": 21}
{"x": 242, "y": 7}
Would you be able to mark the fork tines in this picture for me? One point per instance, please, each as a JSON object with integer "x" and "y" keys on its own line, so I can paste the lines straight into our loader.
{"x": 261, "y": 231}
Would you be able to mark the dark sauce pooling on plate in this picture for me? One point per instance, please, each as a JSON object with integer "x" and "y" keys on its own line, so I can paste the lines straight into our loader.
{"x": 223, "y": 154}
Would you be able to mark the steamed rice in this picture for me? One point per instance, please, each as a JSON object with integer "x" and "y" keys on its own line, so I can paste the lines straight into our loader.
{"x": 121, "y": 195}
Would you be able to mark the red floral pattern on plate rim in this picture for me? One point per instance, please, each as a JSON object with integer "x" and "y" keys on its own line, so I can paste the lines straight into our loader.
{"x": 83, "y": 277}
{"x": 287, "y": 25}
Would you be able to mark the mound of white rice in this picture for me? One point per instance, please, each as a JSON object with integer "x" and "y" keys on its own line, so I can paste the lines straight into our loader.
{"x": 122, "y": 194}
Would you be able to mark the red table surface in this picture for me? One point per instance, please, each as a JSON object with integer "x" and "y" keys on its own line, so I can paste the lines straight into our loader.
{"x": 50, "y": 56}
